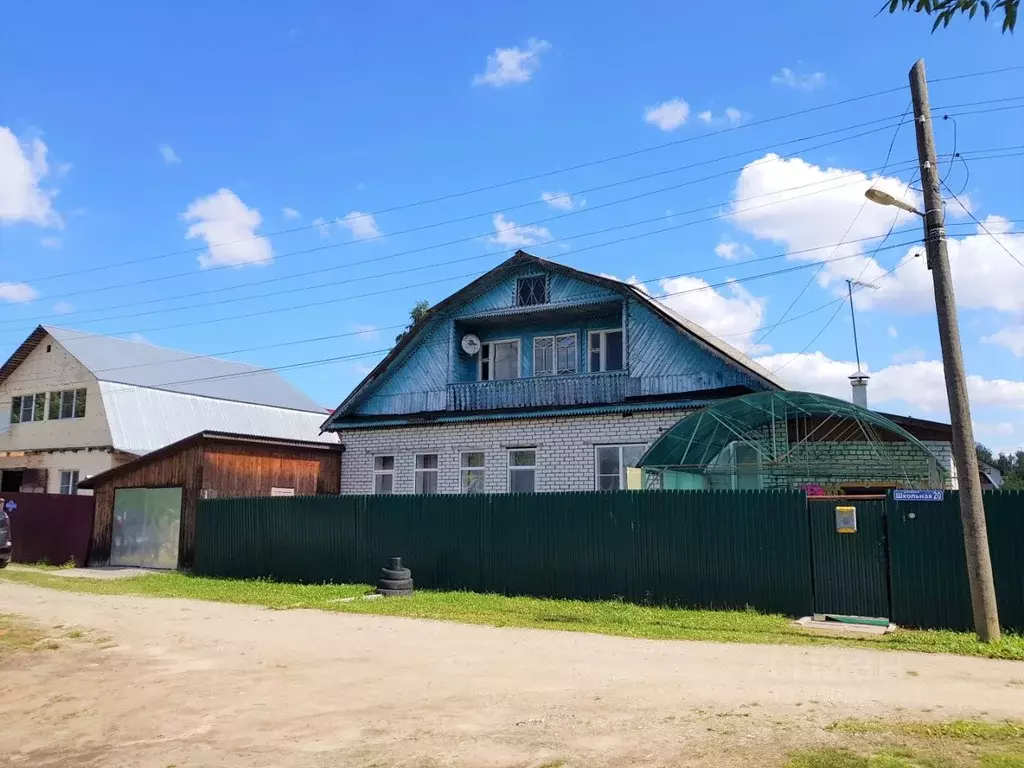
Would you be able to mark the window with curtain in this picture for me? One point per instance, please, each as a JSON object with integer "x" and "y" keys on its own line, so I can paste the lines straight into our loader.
{"x": 426, "y": 473}
{"x": 522, "y": 470}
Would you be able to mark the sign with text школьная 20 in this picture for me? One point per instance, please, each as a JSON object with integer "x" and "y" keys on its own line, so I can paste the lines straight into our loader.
{"x": 911, "y": 495}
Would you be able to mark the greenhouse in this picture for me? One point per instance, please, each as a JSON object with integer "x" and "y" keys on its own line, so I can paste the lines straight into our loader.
{"x": 789, "y": 440}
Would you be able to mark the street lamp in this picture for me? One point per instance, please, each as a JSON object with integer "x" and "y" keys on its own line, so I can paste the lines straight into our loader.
{"x": 880, "y": 196}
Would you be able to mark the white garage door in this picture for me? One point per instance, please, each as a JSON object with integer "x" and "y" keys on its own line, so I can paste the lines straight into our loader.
{"x": 145, "y": 528}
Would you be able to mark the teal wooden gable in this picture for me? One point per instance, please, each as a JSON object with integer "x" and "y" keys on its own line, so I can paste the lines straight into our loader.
{"x": 429, "y": 374}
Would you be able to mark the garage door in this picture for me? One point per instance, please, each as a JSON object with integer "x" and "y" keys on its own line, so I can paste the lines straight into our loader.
{"x": 146, "y": 526}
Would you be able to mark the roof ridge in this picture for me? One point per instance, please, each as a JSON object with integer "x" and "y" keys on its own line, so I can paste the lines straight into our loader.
{"x": 191, "y": 355}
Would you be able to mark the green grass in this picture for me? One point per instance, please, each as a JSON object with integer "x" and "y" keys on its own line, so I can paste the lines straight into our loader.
{"x": 17, "y": 635}
{"x": 919, "y": 744}
{"x": 607, "y": 617}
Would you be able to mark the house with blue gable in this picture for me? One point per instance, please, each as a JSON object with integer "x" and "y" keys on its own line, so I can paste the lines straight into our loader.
{"x": 535, "y": 377}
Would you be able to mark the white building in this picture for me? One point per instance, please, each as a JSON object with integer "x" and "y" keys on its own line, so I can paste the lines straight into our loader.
{"x": 74, "y": 404}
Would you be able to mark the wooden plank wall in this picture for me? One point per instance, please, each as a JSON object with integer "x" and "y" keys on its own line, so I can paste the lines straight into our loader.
{"x": 231, "y": 470}
{"x": 183, "y": 469}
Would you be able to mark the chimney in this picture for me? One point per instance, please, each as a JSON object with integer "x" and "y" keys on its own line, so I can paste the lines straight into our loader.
{"x": 859, "y": 382}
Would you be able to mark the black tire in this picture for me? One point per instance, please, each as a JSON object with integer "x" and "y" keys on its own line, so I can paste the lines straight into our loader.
{"x": 395, "y": 583}
{"x": 3, "y": 563}
{"x": 400, "y": 574}
{"x": 395, "y": 592}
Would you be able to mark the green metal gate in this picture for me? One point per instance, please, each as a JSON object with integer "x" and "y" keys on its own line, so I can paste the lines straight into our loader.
{"x": 849, "y": 556}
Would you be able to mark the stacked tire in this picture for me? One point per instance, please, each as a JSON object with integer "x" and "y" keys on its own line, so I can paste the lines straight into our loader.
{"x": 395, "y": 581}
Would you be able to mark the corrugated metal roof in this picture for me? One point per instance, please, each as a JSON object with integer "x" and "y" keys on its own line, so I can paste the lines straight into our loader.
{"x": 143, "y": 419}
{"x": 144, "y": 365}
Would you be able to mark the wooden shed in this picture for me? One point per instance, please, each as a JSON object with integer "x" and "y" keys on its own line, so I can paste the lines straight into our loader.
{"x": 146, "y": 509}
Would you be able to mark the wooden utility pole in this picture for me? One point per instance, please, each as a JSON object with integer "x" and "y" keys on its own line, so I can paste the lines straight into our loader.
{"x": 972, "y": 512}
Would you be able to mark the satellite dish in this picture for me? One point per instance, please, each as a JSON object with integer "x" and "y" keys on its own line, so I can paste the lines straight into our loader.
{"x": 470, "y": 344}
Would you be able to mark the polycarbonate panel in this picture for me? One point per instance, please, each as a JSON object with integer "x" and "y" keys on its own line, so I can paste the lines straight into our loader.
{"x": 146, "y": 525}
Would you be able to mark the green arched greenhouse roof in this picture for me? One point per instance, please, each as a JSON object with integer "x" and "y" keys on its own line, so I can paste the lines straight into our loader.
{"x": 699, "y": 437}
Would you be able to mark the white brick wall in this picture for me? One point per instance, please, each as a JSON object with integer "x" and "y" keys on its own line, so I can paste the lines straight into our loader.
{"x": 564, "y": 445}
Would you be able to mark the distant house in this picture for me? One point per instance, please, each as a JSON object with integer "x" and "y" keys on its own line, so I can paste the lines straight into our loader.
{"x": 537, "y": 377}
{"x": 534, "y": 377}
{"x": 75, "y": 404}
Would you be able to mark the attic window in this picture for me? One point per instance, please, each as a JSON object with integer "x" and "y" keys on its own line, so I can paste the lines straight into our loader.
{"x": 531, "y": 291}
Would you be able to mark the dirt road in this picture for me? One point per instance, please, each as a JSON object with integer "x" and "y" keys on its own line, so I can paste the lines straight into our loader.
{"x": 187, "y": 683}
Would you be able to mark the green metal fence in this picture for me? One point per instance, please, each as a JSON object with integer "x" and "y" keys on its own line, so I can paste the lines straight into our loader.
{"x": 928, "y": 566}
{"x": 771, "y": 550}
{"x": 724, "y": 549}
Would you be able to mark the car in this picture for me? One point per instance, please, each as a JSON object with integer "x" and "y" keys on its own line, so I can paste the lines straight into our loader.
{"x": 5, "y": 538}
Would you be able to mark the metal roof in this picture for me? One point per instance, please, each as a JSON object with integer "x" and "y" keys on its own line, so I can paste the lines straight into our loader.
{"x": 142, "y": 419}
{"x": 144, "y": 365}
{"x": 199, "y": 437}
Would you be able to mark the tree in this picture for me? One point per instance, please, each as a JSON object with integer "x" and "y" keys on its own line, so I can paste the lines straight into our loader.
{"x": 419, "y": 311}
{"x": 945, "y": 10}
{"x": 1011, "y": 465}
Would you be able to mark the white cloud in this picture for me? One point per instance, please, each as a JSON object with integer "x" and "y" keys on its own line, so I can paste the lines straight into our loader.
{"x": 507, "y": 232}
{"x": 53, "y": 243}
{"x": 168, "y": 154}
{"x": 807, "y": 81}
{"x": 63, "y": 308}
{"x": 563, "y": 201}
{"x": 804, "y": 206}
{"x": 368, "y": 332}
{"x": 513, "y": 66}
{"x": 731, "y": 116}
{"x": 1011, "y": 337}
{"x": 732, "y": 251}
{"x": 911, "y": 355}
{"x": 17, "y": 293}
{"x": 290, "y": 213}
{"x": 735, "y": 313}
{"x": 893, "y": 332}
{"x": 920, "y": 384}
{"x": 960, "y": 207}
{"x": 362, "y": 225}
{"x": 668, "y": 115}
{"x": 22, "y": 168}
{"x": 322, "y": 226}
{"x": 999, "y": 428}
{"x": 62, "y": 169}
{"x": 229, "y": 228}
{"x": 138, "y": 338}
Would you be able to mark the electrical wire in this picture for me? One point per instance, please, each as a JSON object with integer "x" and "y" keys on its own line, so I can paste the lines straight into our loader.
{"x": 984, "y": 228}
{"x": 490, "y": 233}
{"x": 860, "y": 210}
{"x": 720, "y": 215}
{"x": 708, "y": 286}
{"x": 498, "y": 185}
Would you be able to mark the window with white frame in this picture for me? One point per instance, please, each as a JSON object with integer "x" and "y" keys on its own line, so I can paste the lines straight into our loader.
{"x": 554, "y": 355}
{"x": 383, "y": 474}
{"x": 522, "y": 470}
{"x": 471, "y": 471}
{"x": 425, "y": 473}
{"x": 499, "y": 360}
{"x": 69, "y": 482}
{"x": 27, "y": 408}
{"x": 610, "y": 462}
{"x": 67, "y": 404}
{"x": 606, "y": 350}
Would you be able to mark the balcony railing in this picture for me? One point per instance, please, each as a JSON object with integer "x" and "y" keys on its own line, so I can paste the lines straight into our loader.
{"x": 542, "y": 391}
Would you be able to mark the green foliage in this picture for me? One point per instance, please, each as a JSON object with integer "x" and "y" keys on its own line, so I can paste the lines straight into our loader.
{"x": 1010, "y": 465}
{"x": 419, "y": 311}
{"x": 609, "y": 617}
{"x": 945, "y": 10}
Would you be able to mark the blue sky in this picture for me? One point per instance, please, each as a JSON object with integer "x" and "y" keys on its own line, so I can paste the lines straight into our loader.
{"x": 127, "y": 129}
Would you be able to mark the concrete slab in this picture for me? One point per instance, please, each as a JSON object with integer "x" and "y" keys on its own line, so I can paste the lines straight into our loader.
{"x": 842, "y": 628}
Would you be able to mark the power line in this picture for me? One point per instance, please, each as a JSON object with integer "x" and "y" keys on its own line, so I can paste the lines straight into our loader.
{"x": 857, "y": 180}
{"x": 983, "y": 227}
{"x": 547, "y": 220}
{"x": 320, "y": 361}
{"x": 477, "y": 190}
{"x": 885, "y": 164}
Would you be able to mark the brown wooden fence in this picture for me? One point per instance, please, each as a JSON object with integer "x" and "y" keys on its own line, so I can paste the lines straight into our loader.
{"x": 49, "y": 528}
